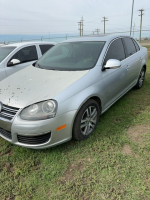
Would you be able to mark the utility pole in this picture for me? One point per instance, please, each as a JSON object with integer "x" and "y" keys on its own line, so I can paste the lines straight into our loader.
{"x": 80, "y": 29}
{"x": 141, "y": 10}
{"x": 82, "y": 26}
{"x": 97, "y": 30}
{"x": 131, "y": 17}
{"x": 105, "y": 19}
{"x": 133, "y": 29}
{"x": 49, "y": 36}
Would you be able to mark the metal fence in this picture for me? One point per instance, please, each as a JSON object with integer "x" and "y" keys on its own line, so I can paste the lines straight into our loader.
{"x": 40, "y": 38}
{"x": 67, "y": 36}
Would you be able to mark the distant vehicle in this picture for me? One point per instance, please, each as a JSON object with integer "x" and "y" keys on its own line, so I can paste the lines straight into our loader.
{"x": 62, "y": 95}
{"x": 14, "y": 57}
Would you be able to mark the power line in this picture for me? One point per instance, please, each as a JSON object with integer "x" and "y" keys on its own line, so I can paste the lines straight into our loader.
{"x": 6, "y": 19}
{"x": 127, "y": 31}
{"x": 35, "y": 25}
{"x": 109, "y": 17}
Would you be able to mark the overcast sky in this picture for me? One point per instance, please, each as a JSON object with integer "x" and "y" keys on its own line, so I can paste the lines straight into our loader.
{"x": 61, "y": 16}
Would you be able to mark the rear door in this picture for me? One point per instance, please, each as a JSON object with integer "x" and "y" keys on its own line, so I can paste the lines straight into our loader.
{"x": 26, "y": 56}
{"x": 115, "y": 80}
{"x": 133, "y": 59}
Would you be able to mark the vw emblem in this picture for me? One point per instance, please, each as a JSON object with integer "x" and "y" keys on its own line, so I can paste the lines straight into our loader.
{"x": 1, "y": 106}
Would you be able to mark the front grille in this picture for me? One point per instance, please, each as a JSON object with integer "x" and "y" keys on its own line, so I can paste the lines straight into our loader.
{"x": 8, "y": 112}
{"x": 34, "y": 139}
{"x": 5, "y": 133}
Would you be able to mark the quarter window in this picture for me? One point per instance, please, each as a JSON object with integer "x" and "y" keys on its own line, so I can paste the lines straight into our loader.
{"x": 115, "y": 51}
{"x": 130, "y": 47}
{"x": 45, "y": 47}
{"x": 26, "y": 54}
{"x": 136, "y": 45}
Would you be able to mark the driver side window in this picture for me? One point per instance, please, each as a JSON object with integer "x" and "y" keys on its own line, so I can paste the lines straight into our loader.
{"x": 115, "y": 51}
{"x": 26, "y": 54}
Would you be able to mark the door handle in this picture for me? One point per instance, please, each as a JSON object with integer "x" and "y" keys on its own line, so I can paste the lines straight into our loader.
{"x": 128, "y": 67}
{"x": 140, "y": 59}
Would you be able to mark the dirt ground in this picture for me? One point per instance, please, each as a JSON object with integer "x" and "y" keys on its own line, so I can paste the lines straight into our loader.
{"x": 145, "y": 43}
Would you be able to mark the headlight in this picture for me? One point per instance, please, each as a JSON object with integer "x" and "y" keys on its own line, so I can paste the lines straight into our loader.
{"x": 40, "y": 111}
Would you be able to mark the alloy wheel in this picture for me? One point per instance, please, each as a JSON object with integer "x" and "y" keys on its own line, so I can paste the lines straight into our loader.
{"x": 141, "y": 78}
{"x": 88, "y": 120}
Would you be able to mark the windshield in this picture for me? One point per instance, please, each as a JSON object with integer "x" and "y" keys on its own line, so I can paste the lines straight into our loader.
{"x": 5, "y": 51}
{"x": 71, "y": 56}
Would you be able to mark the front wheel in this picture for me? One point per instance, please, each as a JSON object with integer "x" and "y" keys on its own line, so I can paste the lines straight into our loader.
{"x": 86, "y": 120}
{"x": 140, "y": 79}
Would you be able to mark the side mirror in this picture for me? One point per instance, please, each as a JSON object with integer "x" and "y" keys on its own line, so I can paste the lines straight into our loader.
{"x": 112, "y": 64}
{"x": 13, "y": 62}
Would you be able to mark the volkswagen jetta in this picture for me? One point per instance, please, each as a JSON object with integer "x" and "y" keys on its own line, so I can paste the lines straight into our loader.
{"x": 62, "y": 95}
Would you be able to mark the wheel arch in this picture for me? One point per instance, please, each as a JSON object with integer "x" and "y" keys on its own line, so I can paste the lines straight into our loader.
{"x": 96, "y": 98}
{"x": 144, "y": 67}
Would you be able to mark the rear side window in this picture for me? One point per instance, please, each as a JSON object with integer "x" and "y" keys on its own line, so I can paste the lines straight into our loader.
{"x": 26, "y": 54}
{"x": 45, "y": 47}
{"x": 115, "y": 51}
{"x": 136, "y": 45}
{"x": 130, "y": 47}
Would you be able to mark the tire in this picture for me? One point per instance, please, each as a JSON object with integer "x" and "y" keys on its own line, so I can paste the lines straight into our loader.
{"x": 140, "y": 79}
{"x": 86, "y": 120}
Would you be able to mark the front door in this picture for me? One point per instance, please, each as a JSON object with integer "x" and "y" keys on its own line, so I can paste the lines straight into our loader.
{"x": 115, "y": 80}
{"x": 26, "y": 56}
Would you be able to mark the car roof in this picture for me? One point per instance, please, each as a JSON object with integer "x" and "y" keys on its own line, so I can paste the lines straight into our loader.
{"x": 95, "y": 38}
{"x": 19, "y": 44}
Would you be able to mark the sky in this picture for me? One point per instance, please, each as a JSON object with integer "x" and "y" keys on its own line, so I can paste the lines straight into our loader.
{"x": 47, "y": 17}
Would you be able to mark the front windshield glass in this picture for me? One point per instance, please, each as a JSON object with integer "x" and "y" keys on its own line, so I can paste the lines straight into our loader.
{"x": 71, "y": 56}
{"x": 5, "y": 51}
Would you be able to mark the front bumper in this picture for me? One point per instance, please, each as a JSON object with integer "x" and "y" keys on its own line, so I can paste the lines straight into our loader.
{"x": 33, "y": 130}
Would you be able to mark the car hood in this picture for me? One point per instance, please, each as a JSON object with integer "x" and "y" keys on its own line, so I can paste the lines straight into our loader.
{"x": 32, "y": 85}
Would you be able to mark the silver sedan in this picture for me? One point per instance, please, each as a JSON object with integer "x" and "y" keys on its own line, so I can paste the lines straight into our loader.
{"x": 62, "y": 95}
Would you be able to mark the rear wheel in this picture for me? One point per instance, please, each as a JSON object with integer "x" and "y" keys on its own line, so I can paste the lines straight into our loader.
{"x": 140, "y": 79}
{"x": 86, "y": 120}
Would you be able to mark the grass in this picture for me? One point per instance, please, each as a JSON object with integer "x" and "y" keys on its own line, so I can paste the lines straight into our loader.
{"x": 114, "y": 163}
